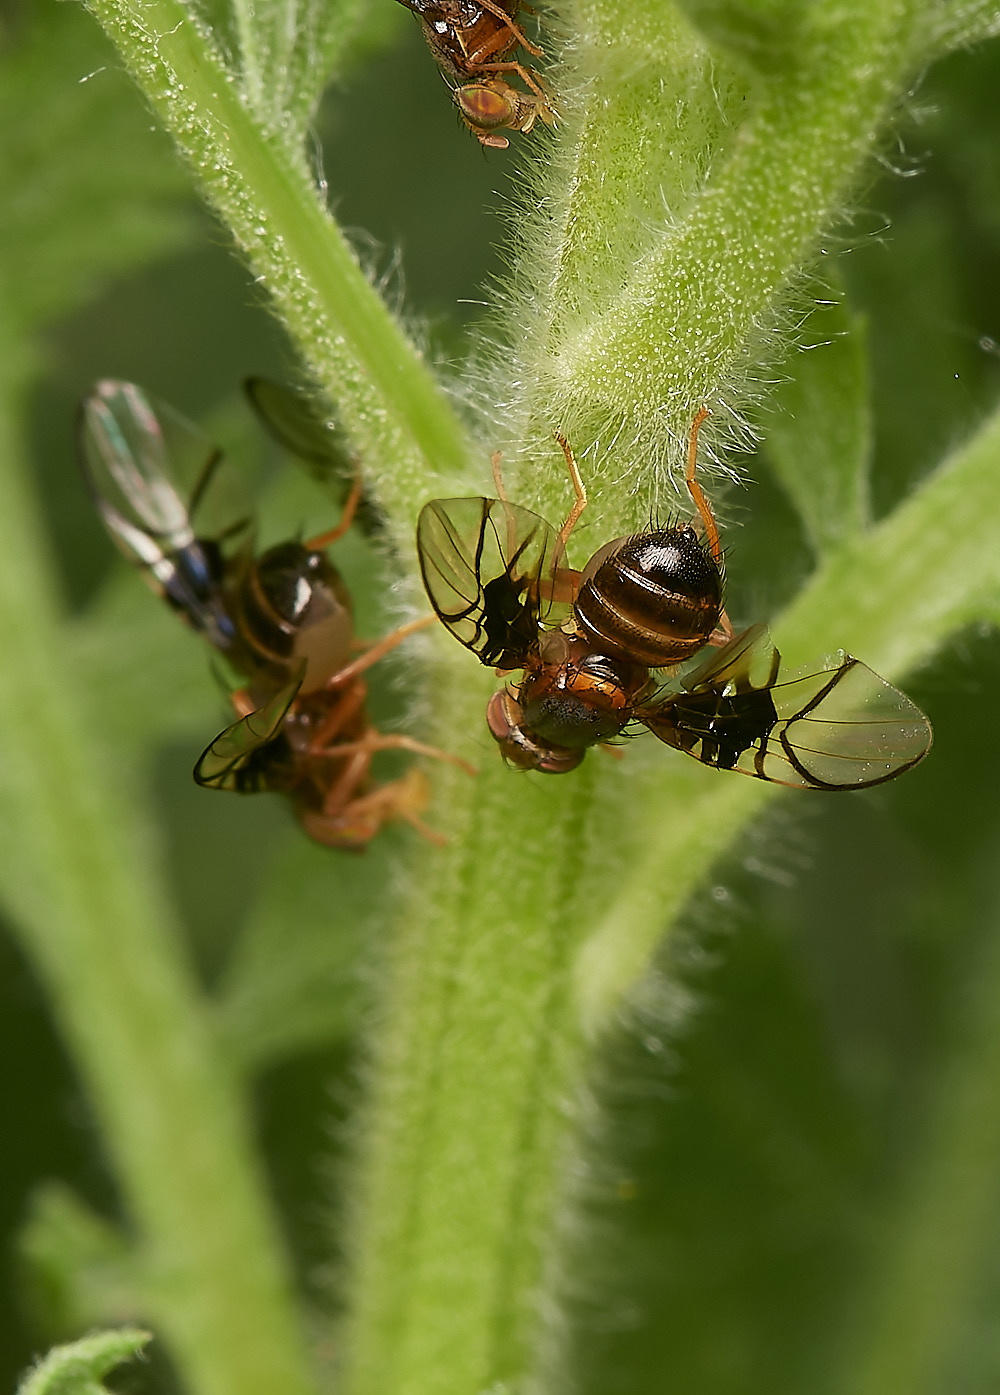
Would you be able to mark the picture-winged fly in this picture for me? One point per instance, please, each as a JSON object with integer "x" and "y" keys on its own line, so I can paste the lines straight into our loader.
{"x": 281, "y": 619}
{"x": 640, "y": 635}
{"x": 473, "y": 42}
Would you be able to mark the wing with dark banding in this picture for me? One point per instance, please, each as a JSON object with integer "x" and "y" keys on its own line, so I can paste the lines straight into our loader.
{"x": 833, "y": 725}
{"x": 484, "y": 563}
{"x": 239, "y": 758}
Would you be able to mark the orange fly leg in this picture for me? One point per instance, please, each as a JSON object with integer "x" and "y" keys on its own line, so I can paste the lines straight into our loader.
{"x": 378, "y": 741}
{"x": 529, "y": 78}
{"x": 495, "y": 459}
{"x": 378, "y": 650}
{"x": 579, "y": 504}
{"x": 348, "y": 783}
{"x": 515, "y": 29}
{"x": 243, "y": 704}
{"x": 323, "y": 540}
{"x": 696, "y": 491}
{"x": 348, "y": 706}
{"x": 358, "y": 820}
{"x": 722, "y": 633}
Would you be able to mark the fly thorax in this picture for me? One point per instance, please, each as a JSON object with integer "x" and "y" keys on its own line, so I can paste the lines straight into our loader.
{"x": 585, "y": 699}
{"x": 295, "y": 606}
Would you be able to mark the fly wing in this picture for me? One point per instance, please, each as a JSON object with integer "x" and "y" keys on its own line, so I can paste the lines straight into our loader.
{"x": 153, "y": 475}
{"x": 833, "y": 725}
{"x": 842, "y": 727}
{"x": 167, "y": 498}
{"x": 484, "y": 563}
{"x": 296, "y": 422}
{"x": 233, "y": 760}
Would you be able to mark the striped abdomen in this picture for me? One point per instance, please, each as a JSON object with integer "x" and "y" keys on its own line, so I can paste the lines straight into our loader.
{"x": 652, "y": 599}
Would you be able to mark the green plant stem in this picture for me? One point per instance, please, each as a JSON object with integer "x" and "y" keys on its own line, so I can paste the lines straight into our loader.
{"x": 701, "y": 301}
{"x": 89, "y": 908}
{"x": 384, "y": 392}
{"x": 467, "y": 1124}
{"x": 680, "y": 328}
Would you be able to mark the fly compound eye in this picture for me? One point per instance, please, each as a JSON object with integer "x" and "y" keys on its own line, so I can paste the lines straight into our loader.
{"x": 486, "y": 108}
{"x": 473, "y": 41}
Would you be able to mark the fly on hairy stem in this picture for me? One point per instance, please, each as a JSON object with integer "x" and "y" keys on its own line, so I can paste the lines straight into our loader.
{"x": 640, "y": 636}
{"x": 474, "y": 42}
{"x": 281, "y": 619}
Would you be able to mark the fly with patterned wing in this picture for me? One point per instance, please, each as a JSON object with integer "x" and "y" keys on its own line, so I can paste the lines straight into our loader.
{"x": 644, "y": 638}
{"x": 282, "y": 619}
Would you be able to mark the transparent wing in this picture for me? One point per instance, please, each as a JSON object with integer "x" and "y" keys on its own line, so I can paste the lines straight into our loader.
{"x": 154, "y": 476}
{"x": 295, "y": 421}
{"x": 233, "y": 760}
{"x": 168, "y": 499}
{"x": 833, "y": 725}
{"x": 484, "y": 562}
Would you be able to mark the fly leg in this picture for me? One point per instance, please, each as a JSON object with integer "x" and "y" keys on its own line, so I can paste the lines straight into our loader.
{"x": 378, "y": 650}
{"x": 323, "y": 540}
{"x": 515, "y": 29}
{"x": 697, "y": 493}
{"x": 358, "y": 820}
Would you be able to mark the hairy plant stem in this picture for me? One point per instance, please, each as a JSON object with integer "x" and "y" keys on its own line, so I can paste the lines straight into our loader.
{"x": 725, "y": 235}
{"x": 91, "y": 914}
{"x": 385, "y": 395}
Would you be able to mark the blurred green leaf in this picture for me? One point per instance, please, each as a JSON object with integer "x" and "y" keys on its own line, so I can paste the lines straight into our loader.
{"x": 70, "y": 217}
{"x": 144, "y": 675}
{"x": 78, "y": 1270}
{"x": 819, "y": 432}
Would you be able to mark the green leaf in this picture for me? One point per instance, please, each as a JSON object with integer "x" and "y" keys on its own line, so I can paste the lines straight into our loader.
{"x": 69, "y": 215}
{"x": 818, "y": 427}
{"x": 941, "y": 1237}
{"x": 80, "y": 1367}
{"x": 78, "y": 1269}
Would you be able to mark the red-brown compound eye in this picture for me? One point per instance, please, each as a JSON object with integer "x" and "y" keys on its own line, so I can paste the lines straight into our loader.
{"x": 486, "y": 107}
